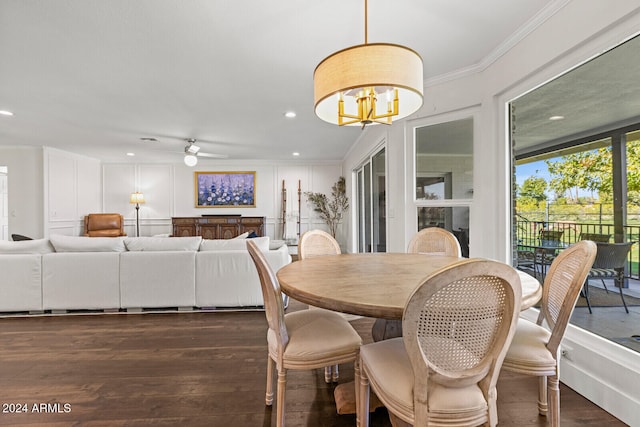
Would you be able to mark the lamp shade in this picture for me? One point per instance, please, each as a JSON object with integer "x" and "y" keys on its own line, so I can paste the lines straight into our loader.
{"x": 382, "y": 67}
{"x": 136, "y": 198}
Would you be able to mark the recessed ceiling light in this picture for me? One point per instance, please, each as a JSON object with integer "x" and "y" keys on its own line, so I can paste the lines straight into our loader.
{"x": 554, "y": 118}
{"x": 296, "y": 153}
{"x": 290, "y": 114}
{"x": 6, "y": 113}
{"x": 131, "y": 154}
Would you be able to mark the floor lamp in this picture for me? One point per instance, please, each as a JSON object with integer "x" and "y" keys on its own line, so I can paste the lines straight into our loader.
{"x": 137, "y": 198}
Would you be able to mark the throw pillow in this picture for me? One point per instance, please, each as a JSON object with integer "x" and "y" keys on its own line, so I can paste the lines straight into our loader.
{"x": 233, "y": 244}
{"x": 19, "y": 237}
{"x": 63, "y": 243}
{"x": 38, "y": 246}
{"x": 191, "y": 243}
{"x": 242, "y": 236}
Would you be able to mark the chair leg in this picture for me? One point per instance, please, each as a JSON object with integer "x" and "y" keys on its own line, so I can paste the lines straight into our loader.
{"x": 605, "y": 285}
{"x": 585, "y": 292}
{"x": 269, "y": 394}
{"x": 362, "y": 399}
{"x": 327, "y": 374}
{"x": 542, "y": 396}
{"x": 356, "y": 383}
{"x": 554, "y": 401}
{"x": 622, "y": 296}
{"x": 335, "y": 375}
{"x": 282, "y": 384}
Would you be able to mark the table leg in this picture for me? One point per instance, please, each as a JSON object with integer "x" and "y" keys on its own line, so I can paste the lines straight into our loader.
{"x": 384, "y": 329}
{"x": 345, "y": 396}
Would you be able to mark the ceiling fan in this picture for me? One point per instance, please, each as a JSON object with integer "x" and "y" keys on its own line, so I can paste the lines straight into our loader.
{"x": 192, "y": 152}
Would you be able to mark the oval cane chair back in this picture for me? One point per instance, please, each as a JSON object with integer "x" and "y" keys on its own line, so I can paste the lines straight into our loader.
{"x": 272, "y": 295}
{"x": 562, "y": 286}
{"x": 457, "y": 327}
{"x": 435, "y": 241}
{"x": 305, "y": 339}
{"x": 535, "y": 349}
{"x": 317, "y": 243}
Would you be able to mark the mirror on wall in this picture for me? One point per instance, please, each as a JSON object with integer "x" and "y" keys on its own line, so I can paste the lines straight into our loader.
{"x": 576, "y": 163}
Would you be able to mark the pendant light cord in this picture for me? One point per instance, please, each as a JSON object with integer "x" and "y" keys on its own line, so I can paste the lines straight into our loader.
{"x": 366, "y": 38}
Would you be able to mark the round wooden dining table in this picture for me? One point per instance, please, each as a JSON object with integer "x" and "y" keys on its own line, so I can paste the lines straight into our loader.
{"x": 372, "y": 284}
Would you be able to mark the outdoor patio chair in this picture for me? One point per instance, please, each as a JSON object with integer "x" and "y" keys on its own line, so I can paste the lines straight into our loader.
{"x": 609, "y": 264}
{"x": 596, "y": 237}
{"x": 546, "y": 252}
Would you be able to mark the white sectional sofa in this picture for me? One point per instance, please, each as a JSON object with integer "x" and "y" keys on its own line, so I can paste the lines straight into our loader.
{"x": 134, "y": 273}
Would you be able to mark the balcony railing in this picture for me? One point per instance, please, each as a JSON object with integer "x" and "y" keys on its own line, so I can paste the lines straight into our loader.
{"x": 528, "y": 232}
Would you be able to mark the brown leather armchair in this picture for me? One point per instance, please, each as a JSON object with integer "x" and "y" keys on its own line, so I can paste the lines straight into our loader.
{"x": 104, "y": 225}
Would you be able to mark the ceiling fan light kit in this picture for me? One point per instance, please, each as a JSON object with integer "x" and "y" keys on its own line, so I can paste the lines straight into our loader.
{"x": 190, "y": 160}
{"x": 350, "y": 84}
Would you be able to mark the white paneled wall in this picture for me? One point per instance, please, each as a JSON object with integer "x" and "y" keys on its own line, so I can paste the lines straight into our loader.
{"x": 72, "y": 189}
{"x": 169, "y": 191}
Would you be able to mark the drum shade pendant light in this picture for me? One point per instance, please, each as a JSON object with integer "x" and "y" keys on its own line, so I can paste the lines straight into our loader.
{"x": 368, "y": 83}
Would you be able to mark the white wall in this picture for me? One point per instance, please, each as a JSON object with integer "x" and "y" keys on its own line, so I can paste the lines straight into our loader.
{"x": 26, "y": 192}
{"x": 579, "y": 30}
{"x": 169, "y": 191}
{"x": 72, "y": 189}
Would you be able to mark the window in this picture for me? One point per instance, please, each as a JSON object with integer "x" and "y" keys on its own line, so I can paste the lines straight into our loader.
{"x": 444, "y": 177}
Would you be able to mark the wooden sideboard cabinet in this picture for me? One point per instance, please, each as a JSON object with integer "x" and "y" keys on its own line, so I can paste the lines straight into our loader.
{"x": 217, "y": 226}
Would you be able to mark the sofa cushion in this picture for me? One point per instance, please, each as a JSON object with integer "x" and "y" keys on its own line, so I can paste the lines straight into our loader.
{"x": 233, "y": 244}
{"x": 38, "y": 246}
{"x": 63, "y": 243}
{"x": 136, "y": 244}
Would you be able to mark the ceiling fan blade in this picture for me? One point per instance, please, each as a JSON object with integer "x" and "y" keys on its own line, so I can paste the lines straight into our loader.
{"x": 213, "y": 156}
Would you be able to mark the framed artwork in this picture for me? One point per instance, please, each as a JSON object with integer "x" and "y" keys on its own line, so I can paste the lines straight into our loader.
{"x": 225, "y": 189}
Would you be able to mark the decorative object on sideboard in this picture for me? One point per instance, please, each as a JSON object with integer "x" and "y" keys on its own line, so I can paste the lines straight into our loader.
{"x": 348, "y": 84}
{"x": 284, "y": 211}
{"x": 330, "y": 210}
{"x": 137, "y": 198}
{"x": 225, "y": 189}
{"x": 290, "y": 219}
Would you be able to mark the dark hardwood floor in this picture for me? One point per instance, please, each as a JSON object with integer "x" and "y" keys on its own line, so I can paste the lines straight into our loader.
{"x": 190, "y": 369}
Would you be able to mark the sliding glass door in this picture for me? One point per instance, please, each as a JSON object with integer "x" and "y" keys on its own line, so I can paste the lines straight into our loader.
{"x": 371, "y": 204}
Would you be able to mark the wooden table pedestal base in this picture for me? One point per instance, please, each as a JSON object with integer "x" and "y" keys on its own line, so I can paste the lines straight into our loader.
{"x": 345, "y": 396}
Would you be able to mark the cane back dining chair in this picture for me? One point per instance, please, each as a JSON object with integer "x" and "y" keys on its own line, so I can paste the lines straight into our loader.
{"x": 435, "y": 241}
{"x": 315, "y": 243}
{"x": 535, "y": 349}
{"x": 609, "y": 264}
{"x": 306, "y": 339}
{"x": 443, "y": 371}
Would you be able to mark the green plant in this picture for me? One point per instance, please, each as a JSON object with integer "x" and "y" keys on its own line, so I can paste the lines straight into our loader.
{"x": 330, "y": 210}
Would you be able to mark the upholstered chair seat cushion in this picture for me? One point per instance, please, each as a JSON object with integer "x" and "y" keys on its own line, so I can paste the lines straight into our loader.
{"x": 390, "y": 369}
{"x": 318, "y": 334}
{"x": 529, "y": 349}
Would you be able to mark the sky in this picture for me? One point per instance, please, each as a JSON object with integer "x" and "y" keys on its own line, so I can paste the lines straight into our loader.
{"x": 537, "y": 169}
